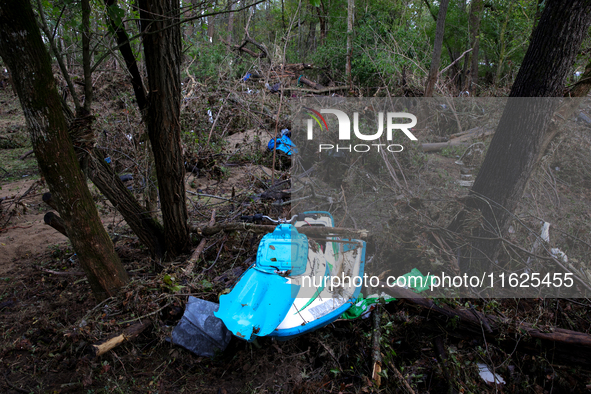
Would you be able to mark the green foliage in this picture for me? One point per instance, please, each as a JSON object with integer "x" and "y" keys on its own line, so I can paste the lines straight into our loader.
{"x": 169, "y": 283}
{"x": 211, "y": 61}
{"x": 452, "y": 151}
{"x": 116, "y": 14}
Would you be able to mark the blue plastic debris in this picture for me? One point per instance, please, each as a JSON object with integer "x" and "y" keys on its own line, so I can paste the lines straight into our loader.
{"x": 108, "y": 160}
{"x": 284, "y": 143}
{"x": 290, "y": 290}
{"x": 248, "y": 75}
{"x": 262, "y": 297}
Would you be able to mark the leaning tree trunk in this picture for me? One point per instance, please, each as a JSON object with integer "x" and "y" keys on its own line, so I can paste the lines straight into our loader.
{"x": 520, "y": 134}
{"x": 436, "y": 59}
{"x": 162, "y": 49}
{"x": 141, "y": 222}
{"x": 25, "y": 55}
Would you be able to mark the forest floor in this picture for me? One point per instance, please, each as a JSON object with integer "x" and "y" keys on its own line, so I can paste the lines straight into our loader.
{"x": 49, "y": 319}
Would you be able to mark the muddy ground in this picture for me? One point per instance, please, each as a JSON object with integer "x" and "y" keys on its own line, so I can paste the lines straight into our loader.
{"x": 49, "y": 319}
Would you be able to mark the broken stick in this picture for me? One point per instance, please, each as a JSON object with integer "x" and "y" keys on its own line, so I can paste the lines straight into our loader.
{"x": 376, "y": 353}
{"x": 133, "y": 331}
{"x": 195, "y": 256}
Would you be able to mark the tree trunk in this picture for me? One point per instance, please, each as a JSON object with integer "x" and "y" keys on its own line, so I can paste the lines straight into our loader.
{"x": 127, "y": 54}
{"x": 86, "y": 56}
{"x": 210, "y": 24}
{"x": 322, "y": 17}
{"x": 147, "y": 229}
{"x": 520, "y": 134}
{"x": 436, "y": 60}
{"x": 162, "y": 49}
{"x": 58, "y": 55}
{"x": 231, "y": 20}
{"x": 350, "y": 17}
{"x": 24, "y": 53}
{"x": 476, "y": 8}
{"x": 503, "y": 47}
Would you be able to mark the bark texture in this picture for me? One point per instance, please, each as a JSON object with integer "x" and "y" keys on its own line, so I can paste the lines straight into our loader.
{"x": 127, "y": 53}
{"x": 520, "y": 134}
{"x": 25, "y": 55}
{"x": 350, "y": 21}
{"x": 162, "y": 48}
{"x": 476, "y": 8}
{"x": 148, "y": 230}
{"x": 436, "y": 59}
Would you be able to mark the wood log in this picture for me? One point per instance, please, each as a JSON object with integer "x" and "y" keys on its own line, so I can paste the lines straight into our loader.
{"x": 102, "y": 347}
{"x": 262, "y": 228}
{"x": 310, "y": 83}
{"x": 297, "y": 67}
{"x": 460, "y": 140}
{"x": 567, "y": 346}
{"x": 55, "y": 221}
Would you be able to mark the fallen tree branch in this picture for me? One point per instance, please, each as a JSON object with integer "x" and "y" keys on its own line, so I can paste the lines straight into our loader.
{"x": 262, "y": 228}
{"x": 59, "y": 273}
{"x": 195, "y": 256}
{"x": 323, "y": 90}
{"x": 26, "y": 154}
{"x": 568, "y": 347}
{"x": 460, "y": 140}
{"x": 455, "y": 61}
{"x": 310, "y": 83}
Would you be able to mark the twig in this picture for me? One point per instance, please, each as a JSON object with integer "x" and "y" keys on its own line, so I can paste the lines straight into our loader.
{"x": 401, "y": 379}
{"x": 216, "y": 119}
{"x": 13, "y": 386}
{"x": 455, "y": 61}
{"x": 61, "y": 273}
{"x": 209, "y": 195}
{"x": 23, "y": 157}
{"x": 16, "y": 201}
{"x": 275, "y": 142}
{"x": 217, "y": 256}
